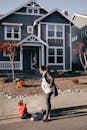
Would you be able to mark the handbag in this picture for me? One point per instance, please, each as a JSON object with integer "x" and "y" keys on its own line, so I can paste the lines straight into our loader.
{"x": 55, "y": 90}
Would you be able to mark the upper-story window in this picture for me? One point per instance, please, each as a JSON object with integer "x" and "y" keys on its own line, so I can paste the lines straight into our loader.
{"x": 55, "y": 31}
{"x": 74, "y": 38}
{"x": 34, "y": 11}
{"x": 55, "y": 34}
{"x": 30, "y": 29}
{"x": 12, "y": 33}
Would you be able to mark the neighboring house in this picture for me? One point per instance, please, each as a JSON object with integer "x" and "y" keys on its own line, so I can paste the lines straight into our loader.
{"x": 44, "y": 38}
{"x": 79, "y": 34}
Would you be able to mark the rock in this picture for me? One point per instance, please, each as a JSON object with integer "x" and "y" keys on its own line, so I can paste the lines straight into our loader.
{"x": 76, "y": 90}
{"x": 67, "y": 91}
{"x": 59, "y": 91}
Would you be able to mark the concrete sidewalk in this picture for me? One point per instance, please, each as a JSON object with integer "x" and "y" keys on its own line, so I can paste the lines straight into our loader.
{"x": 8, "y": 107}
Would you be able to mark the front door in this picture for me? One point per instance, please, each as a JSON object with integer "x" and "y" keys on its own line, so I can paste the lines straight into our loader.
{"x": 30, "y": 58}
{"x": 26, "y": 59}
{"x": 33, "y": 58}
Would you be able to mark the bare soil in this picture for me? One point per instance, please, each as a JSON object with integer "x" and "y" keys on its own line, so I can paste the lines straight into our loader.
{"x": 33, "y": 86}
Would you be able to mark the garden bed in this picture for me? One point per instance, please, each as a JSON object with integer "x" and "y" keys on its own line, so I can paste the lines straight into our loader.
{"x": 33, "y": 86}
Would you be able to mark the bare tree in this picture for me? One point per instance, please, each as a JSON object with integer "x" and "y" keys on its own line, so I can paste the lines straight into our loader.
{"x": 10, "y": 48}
{"x": 79, "y": 50}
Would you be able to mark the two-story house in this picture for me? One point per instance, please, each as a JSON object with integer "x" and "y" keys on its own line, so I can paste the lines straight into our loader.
{"x": 44, "y": 38}
{"x": 79, "y": 34}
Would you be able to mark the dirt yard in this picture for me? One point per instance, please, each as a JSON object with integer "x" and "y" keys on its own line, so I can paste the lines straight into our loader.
{"x": 33, "y": 86}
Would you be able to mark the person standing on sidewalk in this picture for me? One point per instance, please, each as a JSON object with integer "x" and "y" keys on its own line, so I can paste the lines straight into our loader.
{"x": 47, "y": 83}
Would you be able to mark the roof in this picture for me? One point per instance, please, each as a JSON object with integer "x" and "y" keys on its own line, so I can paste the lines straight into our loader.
{"x": 1, "y": 15}
{"x": 79, "y": 20}
{"x": 79, "y": 15}
{"x": 38, "y": 20}
{"x": 14, "y": 10}
{"x": 32, "y": 38}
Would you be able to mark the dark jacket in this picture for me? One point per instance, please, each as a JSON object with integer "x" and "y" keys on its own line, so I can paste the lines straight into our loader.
{"x": 49, "y": 79}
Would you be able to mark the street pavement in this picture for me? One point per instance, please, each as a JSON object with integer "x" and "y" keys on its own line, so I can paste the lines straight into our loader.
{"x": 68, "y": 122}
{"x": 69, "y": 112}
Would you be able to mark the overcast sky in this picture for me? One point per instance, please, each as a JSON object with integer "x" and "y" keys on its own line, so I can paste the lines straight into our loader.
{"x": 73, "y": 6}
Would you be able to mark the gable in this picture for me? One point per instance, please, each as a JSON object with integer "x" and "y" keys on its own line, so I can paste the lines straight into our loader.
{"x": 55, "y": 17}
{"x": 24, "y": 8}
{"x": 32, "y": 39}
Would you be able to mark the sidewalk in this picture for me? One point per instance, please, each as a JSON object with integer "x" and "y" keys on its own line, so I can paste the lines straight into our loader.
{"x": 8, "y": 107}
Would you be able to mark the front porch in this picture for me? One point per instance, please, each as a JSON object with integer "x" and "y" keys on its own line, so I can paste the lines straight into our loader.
{"x": 32, "y": 55}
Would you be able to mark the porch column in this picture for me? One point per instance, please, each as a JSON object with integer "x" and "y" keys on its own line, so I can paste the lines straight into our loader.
{"x": 21, "y": 58}
{"x": 42, "y": 55}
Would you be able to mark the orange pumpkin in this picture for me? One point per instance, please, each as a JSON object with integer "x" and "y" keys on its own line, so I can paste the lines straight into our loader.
{"x": 20, "y": 83}
{"x": 75, "y": 81}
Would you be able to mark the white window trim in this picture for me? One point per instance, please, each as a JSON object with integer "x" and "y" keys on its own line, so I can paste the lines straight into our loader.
{"x": 12, "y": 24}
{"x": 28, "y": 14}
{"x": 55, "y": 30}
{"x": 63, "y": 38}
{"x": 31, "y": 28}
{"x": 60, "y": 47}
{"x": 55, "y": 48}
{"x": 12, "y": 38}
{"x": 38, "y": 10}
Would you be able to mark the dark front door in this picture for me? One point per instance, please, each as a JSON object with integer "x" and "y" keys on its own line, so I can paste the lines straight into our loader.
{"x": 30, "y": 58}
{"x": 26, "y": 58}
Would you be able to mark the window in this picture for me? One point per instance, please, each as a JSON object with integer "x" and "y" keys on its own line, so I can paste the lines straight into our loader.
{"x": 82, "y": 34}
{"x": 51, "y": 30}
{"x": 59, "y": 31}
{"x": 59, "y": 55}
{"x": 12, "y": 33}
{"x": 51, "y": 54}
{"x": 33, "y": 11}
{"x": 55, "y": 35}
{"x": 30, "y": 29}
{"x": 36, "y": 11}
{"x": 55, "y": 56}
{"x": 55, "y": 31}
{"x": 75, "y": 38}
{"x": 30, "y": 11}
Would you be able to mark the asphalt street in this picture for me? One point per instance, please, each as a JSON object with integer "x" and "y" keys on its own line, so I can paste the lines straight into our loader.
{"x": 68, "y": 122}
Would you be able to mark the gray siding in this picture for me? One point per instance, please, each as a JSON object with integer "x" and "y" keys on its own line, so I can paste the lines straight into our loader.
{"x": 22, "y": 10}
{"x": 43, "y": 32}
{"x": 42, "y": 11}
{"x": 55, "y": 18}
{"x": 57, "y": 42}
{"x": 16, "y": 18}
{"x": 55, "y": 67}
{"x": 67, "y": 47}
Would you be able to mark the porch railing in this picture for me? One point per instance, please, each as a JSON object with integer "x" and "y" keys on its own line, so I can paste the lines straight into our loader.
{"x": 6, "y": 65}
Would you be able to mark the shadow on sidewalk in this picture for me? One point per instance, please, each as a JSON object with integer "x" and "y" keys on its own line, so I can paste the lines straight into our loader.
{"x": 68, "y": 112}
{"x": 56, "y": 114}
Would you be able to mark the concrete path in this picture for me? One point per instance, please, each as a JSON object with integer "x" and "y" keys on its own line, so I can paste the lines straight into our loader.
{"x": 8, "y": 107}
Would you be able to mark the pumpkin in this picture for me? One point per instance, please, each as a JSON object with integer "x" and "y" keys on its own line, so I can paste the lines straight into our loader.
{"x": 20, "y": 83}
{"x": 75, "y": 81}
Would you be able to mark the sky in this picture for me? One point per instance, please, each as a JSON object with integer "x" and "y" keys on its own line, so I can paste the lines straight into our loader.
{"x": 72, "y": 6}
